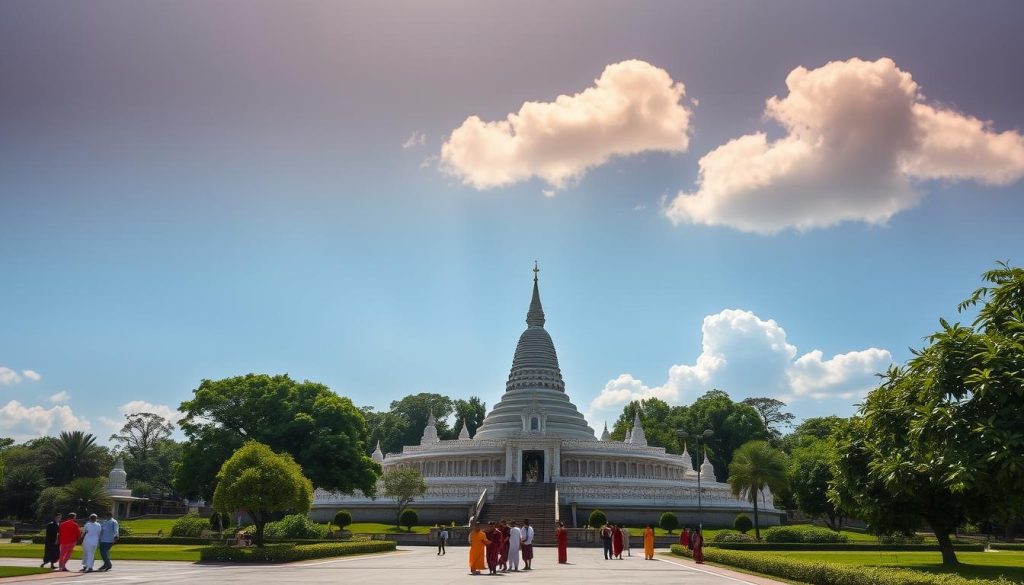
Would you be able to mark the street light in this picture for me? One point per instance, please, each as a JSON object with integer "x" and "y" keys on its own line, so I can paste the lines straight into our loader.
{"x": 700, "y": 438}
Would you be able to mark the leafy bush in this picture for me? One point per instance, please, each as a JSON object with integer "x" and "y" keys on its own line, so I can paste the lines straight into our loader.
{"x": 189, "y": 525}
{"x": 296, "y": 526}
{"x": 1006, "y": 546}
{"x": 733, "y": 537}
{"x": 750, "y": 545}
{"x": 40, "y": 539}
{"x": 803, "y": 534}
{"x": 822, "y": 573}
{"x": 286, "y": 553}
{"x": 668, "y": 522}
{"x": 597, "y": 519}
{"x": 409, "y": 518}
{"x": 220, "y": 521}
{"x": 742, "y": 523}
{"x": 342, "y": 519}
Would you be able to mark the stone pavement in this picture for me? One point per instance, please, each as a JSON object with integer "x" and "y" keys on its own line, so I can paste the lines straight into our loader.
{"x": 411, "y": 565}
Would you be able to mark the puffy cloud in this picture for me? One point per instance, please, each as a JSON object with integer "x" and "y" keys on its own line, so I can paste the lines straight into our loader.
{"x": 415, "y": 139}
{"x": 136, "y": 406}
{"x": 9, "y": 376}
{"x": 858, "y": 135}
{"x": 60, "y": 397}
{"x": 31, "y": 375}
{"x": 26, "y": 422}
{"x": 743, "y": 353}
{"x": 632, "y": 108}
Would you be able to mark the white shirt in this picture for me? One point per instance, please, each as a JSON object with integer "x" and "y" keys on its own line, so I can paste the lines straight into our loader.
{"x": 515, "y": 536}
{"x": 444, "y": 535}
{"x": 528, "y": 535}
{"x": 91, "y": 532}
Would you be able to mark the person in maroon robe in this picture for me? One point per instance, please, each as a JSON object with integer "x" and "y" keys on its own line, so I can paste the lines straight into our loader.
{"x": 503, "y": 551}
{"x": 697, "y": 541}
{"x": 493, "y": 547}
{"x": 684, "y": 538}
{"x": 562, "y": 538}
{"x": 617, "y": 542}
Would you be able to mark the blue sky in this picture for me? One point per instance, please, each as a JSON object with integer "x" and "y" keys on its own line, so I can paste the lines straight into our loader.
{"x": 199, "y": 190}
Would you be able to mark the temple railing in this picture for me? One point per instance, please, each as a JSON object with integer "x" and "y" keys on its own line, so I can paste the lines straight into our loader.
{"x": 480, "y": 503}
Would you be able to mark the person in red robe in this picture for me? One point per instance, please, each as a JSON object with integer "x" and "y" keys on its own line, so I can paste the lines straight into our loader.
{"x": 697, "y": 541}
{"x": 67, "y": 536}
{"x": 493, "y": 547}
{"x": 684, "y": 538}
{"x": 503, "y": 551}
{"x": 617, "y": 542}
{"x": 562, "y": 538}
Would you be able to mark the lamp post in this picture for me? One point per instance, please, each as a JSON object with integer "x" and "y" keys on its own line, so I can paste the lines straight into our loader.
{"x": 702, "y": 439}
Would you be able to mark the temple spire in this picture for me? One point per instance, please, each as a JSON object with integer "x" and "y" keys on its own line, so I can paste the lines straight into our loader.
{"x": 535, "y": 316}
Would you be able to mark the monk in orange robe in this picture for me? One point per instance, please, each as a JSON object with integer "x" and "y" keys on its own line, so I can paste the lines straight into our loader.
{"x": 649, "y": 543}
{"x": 477, "y": 543}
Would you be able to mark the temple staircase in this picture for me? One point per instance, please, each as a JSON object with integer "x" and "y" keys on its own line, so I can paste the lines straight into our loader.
{"x": 516, "y": 501}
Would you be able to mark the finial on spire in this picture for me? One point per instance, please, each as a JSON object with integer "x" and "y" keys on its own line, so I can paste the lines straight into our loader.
{"x": 535, "y": 270}
{"x": 535, "y": 316}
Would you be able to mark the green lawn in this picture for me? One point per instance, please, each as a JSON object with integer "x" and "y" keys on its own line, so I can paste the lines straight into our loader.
{"x": 127, "y": 552}
{"x": 149, "y": 525}
{"x": 21, "y": 571}
{"x": 377, "y": 528}
{"x": 987, "y": 565}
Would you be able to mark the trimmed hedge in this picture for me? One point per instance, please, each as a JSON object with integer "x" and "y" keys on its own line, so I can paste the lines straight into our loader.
{"x": 803, "y": 534}
{"x": 820, "y": 573}
{"x": 39, "y": 539}
{"x": 1007, "y": 546}
{"x": 837, "y": 546}
{"x": 287, "y": 553}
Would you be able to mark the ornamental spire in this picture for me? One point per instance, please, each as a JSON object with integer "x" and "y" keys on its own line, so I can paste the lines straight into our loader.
{"x": 535, "y": 316}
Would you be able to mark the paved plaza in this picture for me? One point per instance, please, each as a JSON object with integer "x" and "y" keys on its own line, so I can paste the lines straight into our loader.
{"x": 408, "y": 565}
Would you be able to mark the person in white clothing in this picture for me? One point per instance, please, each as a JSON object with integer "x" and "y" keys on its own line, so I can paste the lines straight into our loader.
{"x": 527, "y": 531}
{"x": 514, "y": 537}
{"x": 90, "y": 541}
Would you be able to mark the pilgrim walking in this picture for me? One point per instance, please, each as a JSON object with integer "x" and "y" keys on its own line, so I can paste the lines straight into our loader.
{"x": 51, "y": 548}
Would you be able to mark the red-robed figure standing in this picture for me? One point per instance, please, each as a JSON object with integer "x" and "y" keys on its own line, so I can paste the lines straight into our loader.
{"x": 697, "y": 541}
{"x": 684, "y": 538}
{"x": 562, "y": 538}
{"x": 493, "y": 547}
{"x": 617, "y": 542}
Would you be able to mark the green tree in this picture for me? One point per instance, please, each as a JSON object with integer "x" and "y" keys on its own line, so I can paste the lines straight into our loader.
{"x": 262, "y": 483}
{"x": 656, "y": 417}
{"x": 48, "y": 503}
{"x": 324, "y": 432}
{"x": 342, "y": 519}
{"x": 772, "y": 413}
{"x": 417, "y": 408}
{"x": 755, "y": 466}
{"x": 668, "y": 522}
{"x": 810, "y": 472}
{"x": 403, "y": 485}
{"x": 941, "y": 440}
{"x": 597, "y": 519}
{"x": 22, "y": 486}
{"x": 153, "y": 476}
{"x": 742, "y": 523}
{"x": 73, "y": 454}
{"x": 141, "y": 432}
{"x": 84, "y": 496}
{"x": 387, "y": 428}
{"x": 409, "y": 518}
{"x": 472, "y": 412}
{"x": 734, "y": 424}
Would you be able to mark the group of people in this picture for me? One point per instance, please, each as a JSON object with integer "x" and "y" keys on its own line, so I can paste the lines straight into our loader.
{"x": 497, "y": 546}
{"x": 615, "y": 538}
{"x": 63, "y": 536}
{"x": 694, "y": 541}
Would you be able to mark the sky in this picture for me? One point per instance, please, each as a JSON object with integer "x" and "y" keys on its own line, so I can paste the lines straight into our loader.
{"x": 774, "y": 199}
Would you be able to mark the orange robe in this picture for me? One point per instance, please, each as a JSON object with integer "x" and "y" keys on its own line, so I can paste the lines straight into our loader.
{"x": 477, "y": 542}
{"x": 648, "y": 543}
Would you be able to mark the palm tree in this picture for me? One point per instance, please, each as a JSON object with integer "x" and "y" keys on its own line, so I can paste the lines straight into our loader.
{"x": 72, "y": 454}
{"x": 85, "y": 495}
{"x": 756, "y": 465}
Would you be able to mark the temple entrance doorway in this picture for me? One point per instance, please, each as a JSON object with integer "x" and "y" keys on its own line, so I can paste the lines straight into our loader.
{"x": 533, "y": 467}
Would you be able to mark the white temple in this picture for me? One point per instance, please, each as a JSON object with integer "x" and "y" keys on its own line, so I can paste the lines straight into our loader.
{"x": 536, "y": 435}
{"x": 121, "y": 497}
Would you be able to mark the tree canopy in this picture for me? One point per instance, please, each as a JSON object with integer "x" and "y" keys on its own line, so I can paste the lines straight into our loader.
{"x": 941, "y": 440}
{"x": 772, "y": 413}
{"x": 71, "y": 455}
{"x": 757, "y": 465}
{"x": 324, "y": 432}
{"x": 262, "y": 483}
{"x": 404, "y": 485}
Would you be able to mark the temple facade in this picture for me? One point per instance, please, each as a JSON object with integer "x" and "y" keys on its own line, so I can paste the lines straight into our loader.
{"x": 536, "y": 435}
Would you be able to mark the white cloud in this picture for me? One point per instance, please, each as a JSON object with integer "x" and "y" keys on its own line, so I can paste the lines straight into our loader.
{"x": 136, "y": 406}
{"x": 9, "y": 376}
{"x": 27, "y": 422}
{"x": 32, "y": 375}
{"x": 858, "y": 136}
{"x": 60, "y": 397}
{"x": 415, "y": 139}
{"x": 633, "y": 107}
{"x": 748, "y": 356}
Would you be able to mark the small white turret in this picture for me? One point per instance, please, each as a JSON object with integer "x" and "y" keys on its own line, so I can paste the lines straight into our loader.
{"x": 687, "y": 460}
{"x": 606, "y": 436}
{"x": 708, "y": 470}
{"x": 464, "y": 433}
{"x": 637, "y": 436}
{"x": 378, "y": 455}
{"x": 430, "y": 432}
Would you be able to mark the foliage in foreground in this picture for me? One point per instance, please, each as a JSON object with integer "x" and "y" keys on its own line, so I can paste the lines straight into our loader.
{"x": 807, "y": 534}
{"x": 296, "y": 526}
{"x": 287, "y": 553}
{"x": 819, "y": 573}
{"x": 190, "y": 525}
